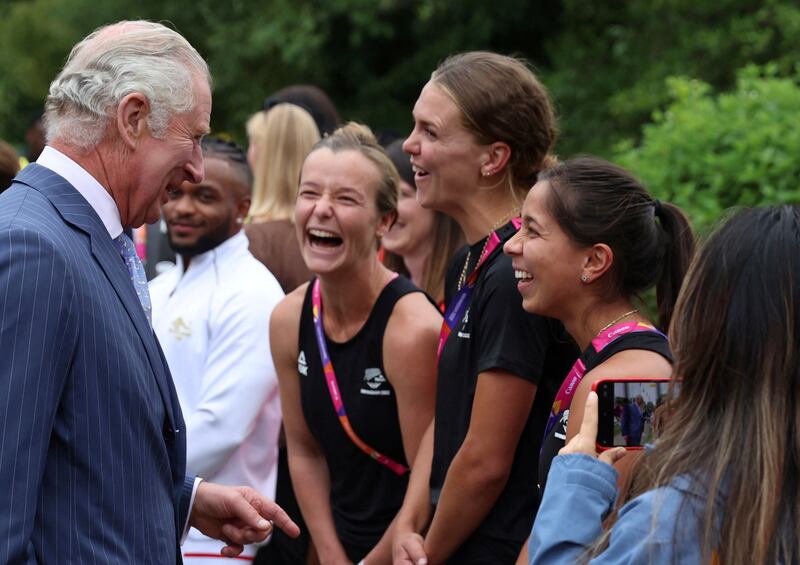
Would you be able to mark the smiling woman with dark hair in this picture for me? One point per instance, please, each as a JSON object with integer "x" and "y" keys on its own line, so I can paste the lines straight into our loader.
{"x": 721, "y": 482}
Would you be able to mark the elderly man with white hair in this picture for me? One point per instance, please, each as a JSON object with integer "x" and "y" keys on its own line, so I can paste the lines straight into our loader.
{"x": 92, "y": 440}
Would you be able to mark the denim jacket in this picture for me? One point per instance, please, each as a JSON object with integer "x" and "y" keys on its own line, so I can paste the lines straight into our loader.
{"x": 658, "y": 527}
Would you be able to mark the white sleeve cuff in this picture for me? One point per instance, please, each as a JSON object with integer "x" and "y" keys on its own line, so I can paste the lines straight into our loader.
{"x": 186, "y": 528}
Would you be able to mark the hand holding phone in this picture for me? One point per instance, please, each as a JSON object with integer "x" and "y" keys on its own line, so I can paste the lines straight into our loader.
{"x": 627, "y": 411}
{"x": 585, "y": 440}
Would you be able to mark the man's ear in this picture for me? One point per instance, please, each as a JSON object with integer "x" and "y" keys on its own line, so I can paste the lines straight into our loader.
{"x": 243, "y": 208}
{"x": 132, "y": 114}
{"x": 599, "y": 258}
{"x": 496, "y": 158}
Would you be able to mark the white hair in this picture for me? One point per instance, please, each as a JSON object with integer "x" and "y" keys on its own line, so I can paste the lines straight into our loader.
{"x": 112, "y": 62}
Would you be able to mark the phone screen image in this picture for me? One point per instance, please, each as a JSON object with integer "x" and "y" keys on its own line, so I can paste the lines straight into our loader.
{"x": 629, "y": 411}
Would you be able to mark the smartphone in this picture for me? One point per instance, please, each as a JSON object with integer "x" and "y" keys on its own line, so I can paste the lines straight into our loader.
{"x": 629, "y": 411}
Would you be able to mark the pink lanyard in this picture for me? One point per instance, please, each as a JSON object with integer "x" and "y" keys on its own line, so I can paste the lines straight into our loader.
{"x": 578, "y": 371}
{"x": 333, "y": 387}
{"x": 461, "y": 301}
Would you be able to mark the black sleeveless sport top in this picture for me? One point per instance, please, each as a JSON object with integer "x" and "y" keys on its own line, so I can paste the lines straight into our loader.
{"x": 556, "y": 439}
{"x": 365, "y": 495}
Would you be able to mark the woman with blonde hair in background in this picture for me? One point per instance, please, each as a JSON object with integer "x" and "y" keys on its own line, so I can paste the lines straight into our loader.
{"x": 355, "y": 352}
{"x": 280, "y": 138}
{"x": 421, "y": 242}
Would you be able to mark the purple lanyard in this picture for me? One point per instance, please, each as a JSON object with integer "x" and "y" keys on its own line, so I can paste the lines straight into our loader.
{"x": 460, "y": 303}
{"x": 333, "y": 387}
{"x": 578, "y": 371}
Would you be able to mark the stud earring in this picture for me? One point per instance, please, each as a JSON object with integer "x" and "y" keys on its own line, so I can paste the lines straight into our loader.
{"x": 485, "y": 173}
{"x": 584, "y": 278}
{"x": 239, "y": 221}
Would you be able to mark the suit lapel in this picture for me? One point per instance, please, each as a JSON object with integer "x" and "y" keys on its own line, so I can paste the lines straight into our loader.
{"x": 75, "y": 210}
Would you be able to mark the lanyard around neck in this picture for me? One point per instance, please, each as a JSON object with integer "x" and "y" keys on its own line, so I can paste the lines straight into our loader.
{"x": 333, "y": 387}
{"x": 460, "y": 303}
{"x": 567, "y": 390}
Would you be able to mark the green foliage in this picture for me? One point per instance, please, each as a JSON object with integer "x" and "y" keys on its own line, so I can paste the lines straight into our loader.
{"x": 708, "y": 152}
{"x": 610, "y": 59}
{"x": 372, "y": 56}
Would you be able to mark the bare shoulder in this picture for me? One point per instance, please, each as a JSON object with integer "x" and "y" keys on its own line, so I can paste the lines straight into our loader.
{"x": 628, "y": 364}
{"x": 632, "y": 364}
{"x": 285, "y": 321}
{"x": 414, "y": 319}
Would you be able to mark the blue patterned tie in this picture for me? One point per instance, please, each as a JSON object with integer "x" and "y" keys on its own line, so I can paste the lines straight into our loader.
{"x": 136, "y": 272}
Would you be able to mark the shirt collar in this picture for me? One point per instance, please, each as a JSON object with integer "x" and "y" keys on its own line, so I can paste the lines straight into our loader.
{"x": 95, "y": 194}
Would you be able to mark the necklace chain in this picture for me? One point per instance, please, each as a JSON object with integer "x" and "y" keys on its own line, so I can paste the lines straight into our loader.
{"x": 463, "y": 276}
{"x": 617, "y": 319}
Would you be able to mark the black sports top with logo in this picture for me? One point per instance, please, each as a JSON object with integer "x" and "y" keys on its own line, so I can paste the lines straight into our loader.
{"x": 365, "y": 495}
{"x": 496, "y": 333}
{"x": 556, "y": 439}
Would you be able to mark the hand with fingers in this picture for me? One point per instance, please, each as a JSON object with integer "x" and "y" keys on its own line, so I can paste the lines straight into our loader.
{"x": 586, "y": 440}
{"x": 409, "y": 550}
{"x": 237, "y": 515}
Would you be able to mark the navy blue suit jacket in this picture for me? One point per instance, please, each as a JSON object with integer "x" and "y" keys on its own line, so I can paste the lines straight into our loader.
{"x": 92, "y": 442}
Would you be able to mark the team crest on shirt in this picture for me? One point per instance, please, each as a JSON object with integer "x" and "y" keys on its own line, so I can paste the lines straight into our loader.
{"x": 375, "y": 384}
{"x": 180, "y": 329}
{"x": 561, "y": 430}
{"x": 302, "y": 366}
{"x": 462, "y": 331}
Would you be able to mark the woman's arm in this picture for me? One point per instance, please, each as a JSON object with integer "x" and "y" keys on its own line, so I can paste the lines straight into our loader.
{"x": 307, "y": 464}
{"x": 413, "y": 517}
{"x": 409, "y": 357}
{"x": 481, "y": 467}
{"x": 580, "y": 492}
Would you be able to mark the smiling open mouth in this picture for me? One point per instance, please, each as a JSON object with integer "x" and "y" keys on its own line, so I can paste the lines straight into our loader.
{"x": 522, "y": 275}
{"x": 419, "y": 172}
{"x": 323, "y": 238}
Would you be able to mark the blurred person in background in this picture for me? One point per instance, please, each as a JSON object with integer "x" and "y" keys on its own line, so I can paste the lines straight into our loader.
{"x": 720, "y": 484}
{"x": 421, "y": 242}
{"x": 484, "y": 127}
{"x": 312, "y": 99}
{"x": 211, "y": 314}
{"x": 34, "y": 138}
{"x": 279, "y": 141}
{"x": 355, "y": 351}
{"x": 9, "y": 165}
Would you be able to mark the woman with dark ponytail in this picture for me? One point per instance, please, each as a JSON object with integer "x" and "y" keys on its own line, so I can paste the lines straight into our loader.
{"x": 721, "y": 482}
{"x": 592, "y": 239}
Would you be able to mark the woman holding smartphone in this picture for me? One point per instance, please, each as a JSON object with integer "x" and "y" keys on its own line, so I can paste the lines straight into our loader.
{"x": 355, "y": 352}
{"x": 483, "y": 129}
{"x": 721, "y": 482}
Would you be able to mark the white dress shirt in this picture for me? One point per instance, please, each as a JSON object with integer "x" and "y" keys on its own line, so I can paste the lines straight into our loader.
{"x": 213, "y": 323}
{"x": 94, "y": 193}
